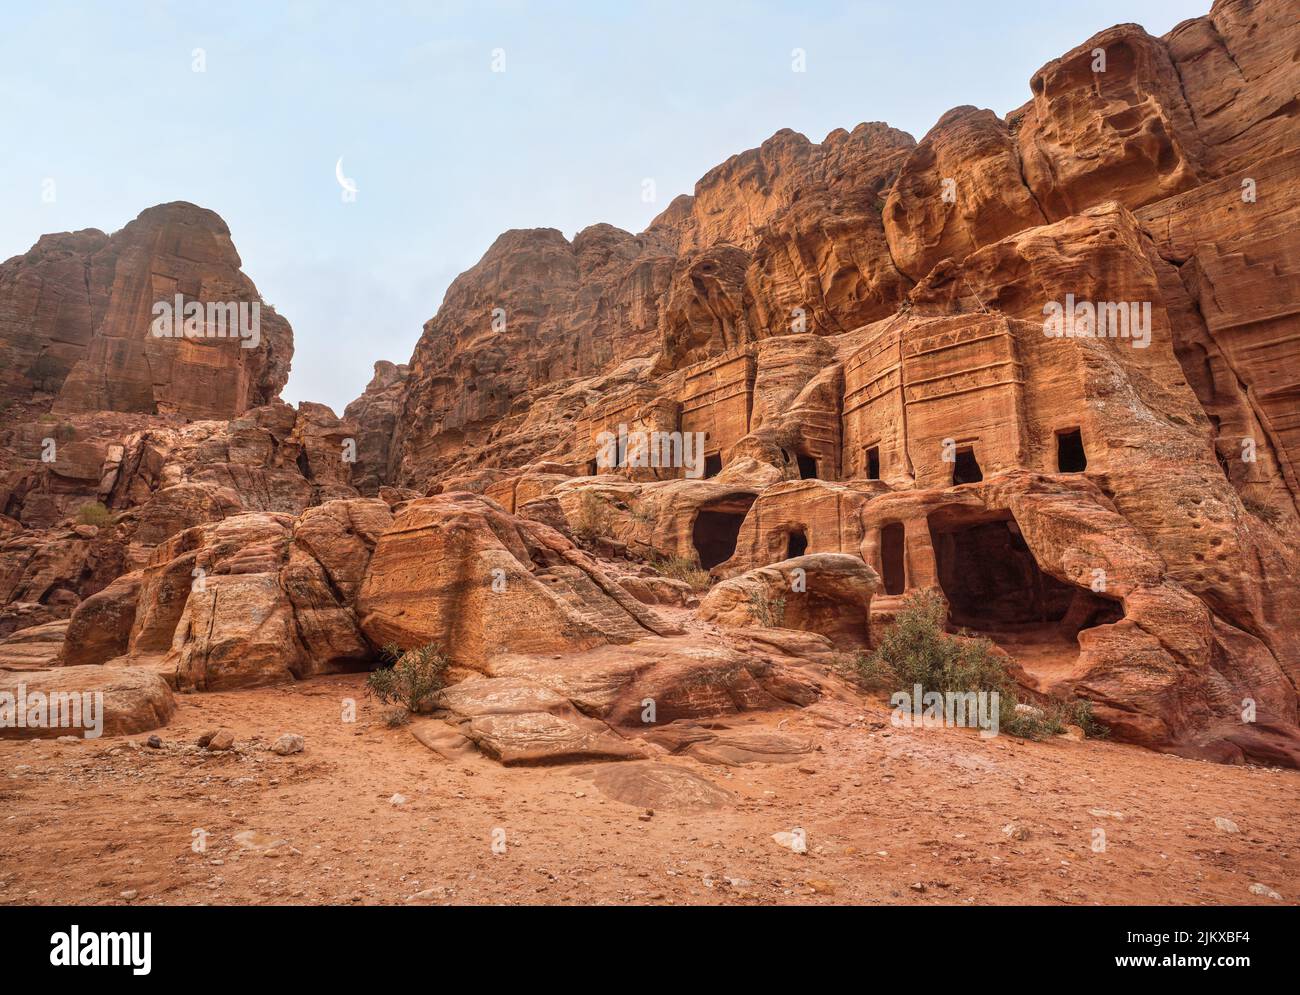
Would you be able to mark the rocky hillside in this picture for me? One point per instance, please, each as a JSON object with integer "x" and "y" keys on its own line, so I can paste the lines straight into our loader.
{"x": 1044, "y": 364}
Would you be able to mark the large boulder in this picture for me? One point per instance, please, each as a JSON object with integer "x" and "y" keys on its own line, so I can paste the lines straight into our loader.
{"x": 109, "y": 701}
{"x": 828, "y": 593}
{"x": 458, "y": 571}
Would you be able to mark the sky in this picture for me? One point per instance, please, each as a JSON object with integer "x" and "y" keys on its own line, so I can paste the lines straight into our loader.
{"x": 456, "y": 121}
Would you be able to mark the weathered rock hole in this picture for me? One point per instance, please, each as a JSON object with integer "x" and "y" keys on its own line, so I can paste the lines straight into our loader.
{"x": 716, "y": 526}
{"x": 1070, "y": 456}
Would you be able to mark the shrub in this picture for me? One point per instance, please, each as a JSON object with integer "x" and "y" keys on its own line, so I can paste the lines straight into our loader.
{"x": 917, "y": 650}
{"x": 94, "y": 514}
{"x": 397, "y": 717}
{"x": 594, "y": 517}
{"x": 767, "y": 613}
{"x": 414, "y": 677}
{"x": 1263, "y": 511}
{"x": 683, "y": 568}
{"x": 866, "y": 670}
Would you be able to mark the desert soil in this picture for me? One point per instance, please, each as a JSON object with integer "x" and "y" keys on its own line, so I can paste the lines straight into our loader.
{"x": 891, "y": 816}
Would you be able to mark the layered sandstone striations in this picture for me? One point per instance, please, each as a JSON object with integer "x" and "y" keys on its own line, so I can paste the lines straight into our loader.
{"x": 700, "y": 466}
{"x": 76, "y": 313}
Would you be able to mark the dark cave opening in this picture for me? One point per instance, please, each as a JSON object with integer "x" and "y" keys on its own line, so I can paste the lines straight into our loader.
{"x": 797, "y": 544}
{"x": 807, "y": 466}
{"x": 993, "y": 582}
{"x": 892, "y": 538}
{"x": 966, "y": 470}
{"x": 717, "y": 525}
{"x": 1070, "y": 457}
{"x": 873, "y": 463}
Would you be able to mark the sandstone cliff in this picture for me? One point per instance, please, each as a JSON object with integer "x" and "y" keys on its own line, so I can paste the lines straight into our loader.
{"x": 858, "y": 333}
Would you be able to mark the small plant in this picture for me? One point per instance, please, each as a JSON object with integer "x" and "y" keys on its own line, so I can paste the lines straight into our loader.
{"x": 768, "y": 613}
{"x": 94, "y": 514}
{"x": 1263, "y": 511}
{"x": 917, "y": 650}
{"x": 1079, "y": 713}
{"x": 397, "y": 717}
{"x": 683, "y": 568}
{"x": 414, "y": 677}
{"x": 594, "y": 518}
{"x": 1033, "y": 722}
{"x": 866, "y": 669}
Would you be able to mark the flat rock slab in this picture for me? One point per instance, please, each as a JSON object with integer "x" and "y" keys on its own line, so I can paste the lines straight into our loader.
{"x": 519, "y": 723}
{"x": 751, "y": 746}
{"x": 660, "y": 786}
{"x": 133, "y": 700}
{"x": 730, "y": 747}
{"x": 35, "y": 648}
{"x": 443, "y": 739}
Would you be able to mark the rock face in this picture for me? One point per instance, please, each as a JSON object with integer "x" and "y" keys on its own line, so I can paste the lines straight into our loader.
{"x": 829, "y": 593}
{"x": 1044, "y": 364}
{"x": 76, "y": 316}
{"x": 90, "y": 701}
{"x": 375, "y": 415}
{"x": 253, "y": 599}
{"x": 502, "y": 584}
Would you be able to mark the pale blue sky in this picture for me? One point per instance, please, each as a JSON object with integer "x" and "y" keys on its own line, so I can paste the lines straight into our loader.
{"x": 447, "y": 154}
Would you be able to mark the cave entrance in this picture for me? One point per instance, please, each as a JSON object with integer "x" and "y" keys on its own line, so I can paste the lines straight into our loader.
{"x": 873, "y": 463}
{"x": 1070, "y": 457}
{"x": 892, "y": 540}
{"x": 966, "y": 470}
{"x": 712, "y": 464}
{"x": 717, "y": 524}
{"x": 807, "y": 466}
{"x": 995, "y": 586}
{"x": 797, "y": 543}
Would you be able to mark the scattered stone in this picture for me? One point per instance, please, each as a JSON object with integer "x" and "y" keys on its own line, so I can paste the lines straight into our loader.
{"x": 221, "y": 740}
{"x": 397, "y": 799}
{"x": 154, "y": 742}
{"x": 129, "y": 894}
{"x": 1016, "y": 832}
{"x": 287, "y": 744}
{"x": 1225, "y": 825}
{"x": 797, "y": 842}
{"x": 251, "y": 839}
{"x": 1264, "y": 891}
{"x": 426, "y": 897}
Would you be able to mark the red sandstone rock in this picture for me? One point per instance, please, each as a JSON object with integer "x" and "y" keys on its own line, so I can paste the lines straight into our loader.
{"x": 76, "y": 314}
{"x": 864, "y": 363}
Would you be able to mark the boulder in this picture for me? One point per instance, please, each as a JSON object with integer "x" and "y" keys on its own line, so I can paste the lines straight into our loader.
{"x": 114, "y": 701}
{"x": 826, "y": 593}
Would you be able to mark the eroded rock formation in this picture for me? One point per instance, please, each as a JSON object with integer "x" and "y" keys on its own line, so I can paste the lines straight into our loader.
{"x": 837, "y": 374}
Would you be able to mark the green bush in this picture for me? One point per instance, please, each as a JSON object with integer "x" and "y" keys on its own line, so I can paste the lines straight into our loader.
{"x": 94, "y": 514}
{"x": 414, "y": 677}
{"x": 917, "y": 650}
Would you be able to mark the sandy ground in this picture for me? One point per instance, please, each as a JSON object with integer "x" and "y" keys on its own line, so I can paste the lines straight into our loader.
{"x": 891, "y": 816}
